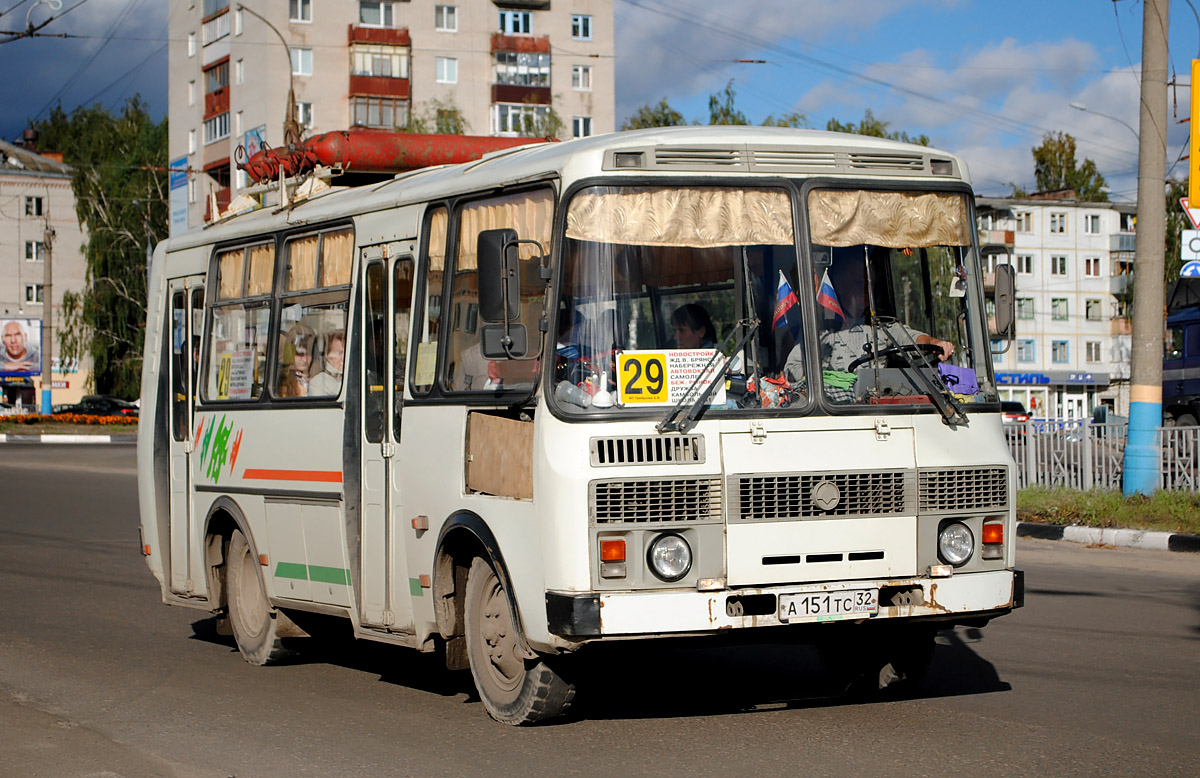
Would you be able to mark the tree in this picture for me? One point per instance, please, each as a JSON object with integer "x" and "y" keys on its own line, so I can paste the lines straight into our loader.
{"x": 721, "y": 110}
{"x": 1054, "y": 167}
{"x": 1177, "y": 221}
{"x": 792, "y": 119}
{"x": 120, "y": 184}
{"x": 876, "y": 128}
{"x": 647, "y": 116}
{"x": 442, "y": 117}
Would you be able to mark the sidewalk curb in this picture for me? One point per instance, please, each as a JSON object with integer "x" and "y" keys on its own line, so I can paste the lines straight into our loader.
{"x": 5, "y": 438}
{"x": 1097, "y": 536}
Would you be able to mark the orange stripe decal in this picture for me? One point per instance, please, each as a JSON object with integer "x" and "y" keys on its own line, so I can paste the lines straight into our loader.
{"x": 323, "y": 476}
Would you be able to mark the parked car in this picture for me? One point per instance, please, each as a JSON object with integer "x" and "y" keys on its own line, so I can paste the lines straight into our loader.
{"x": 1014, "y": 412}
{"x": 101, "y": 405}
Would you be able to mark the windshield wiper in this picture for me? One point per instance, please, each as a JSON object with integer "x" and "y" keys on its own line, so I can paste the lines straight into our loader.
{"x": 669, "y": 423}
{"x": 937, "y": 391}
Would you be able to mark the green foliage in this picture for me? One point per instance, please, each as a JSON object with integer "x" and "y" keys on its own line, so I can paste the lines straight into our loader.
{"x": 1054, "y": 167}
{"x": 793, "y": 119}
{"x": 1177, "y": 221}
{"x": 120, "y": 184}
{"x": 539, "y": 123}
{"x": 661, "y": 115}
{"x": 442, "y": 117}
{"x": 721, "y": 110}
{"x": 1164, "y": 510}
{"x": 876, "y": 128}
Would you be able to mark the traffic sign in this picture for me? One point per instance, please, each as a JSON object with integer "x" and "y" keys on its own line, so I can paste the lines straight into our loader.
{"x": 1193, "y": 214}
{"x": 1189, "y": 245}
{"x": 1190, "y": 270}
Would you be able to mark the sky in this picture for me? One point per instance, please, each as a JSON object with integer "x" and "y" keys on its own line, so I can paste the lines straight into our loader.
{"x": 983, "y": 79}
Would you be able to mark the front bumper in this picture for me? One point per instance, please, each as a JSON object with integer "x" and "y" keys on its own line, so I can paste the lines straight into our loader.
{"x": 634, "y": 614}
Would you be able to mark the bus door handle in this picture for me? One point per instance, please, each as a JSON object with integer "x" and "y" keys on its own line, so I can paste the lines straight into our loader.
{"x": 388, "y": 449}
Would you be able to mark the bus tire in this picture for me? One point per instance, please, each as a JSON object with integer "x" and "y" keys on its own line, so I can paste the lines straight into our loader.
{"x": 255, "y": 623}
{"x": 514, "y": 690}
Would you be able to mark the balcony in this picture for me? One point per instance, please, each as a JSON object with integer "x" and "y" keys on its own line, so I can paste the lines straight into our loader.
{"x": 216, "y": 101}
{"x": 524, "y": 5}
{"x": 520, "y": 43}
{"x": 386, "y": 36}
{"x": 1119, "y": 284}
{"x": 509, "y": 93}
{"x": 382, "y": 86}
{"x": 215, "y": 28}
{"x": 1123, "y": 241}
{"x": 1120, "y": 325}
{"x": 1002, "y": 237}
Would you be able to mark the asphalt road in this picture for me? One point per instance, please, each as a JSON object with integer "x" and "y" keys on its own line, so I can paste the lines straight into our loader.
{"x": 1099, "y": 674}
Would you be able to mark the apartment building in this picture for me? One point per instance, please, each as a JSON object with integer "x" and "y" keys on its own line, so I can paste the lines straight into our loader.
{"x": 484, "y": 67}
{"x": 37, "y": 213}
{"x": 1073, "y": 263}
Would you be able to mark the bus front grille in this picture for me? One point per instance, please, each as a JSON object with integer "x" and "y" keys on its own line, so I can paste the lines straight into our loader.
{"x": 963, "y": 489}
{"x": 646, "y": 501}
{"x": 780, "y": 497}
{"x": 647, "y": 450}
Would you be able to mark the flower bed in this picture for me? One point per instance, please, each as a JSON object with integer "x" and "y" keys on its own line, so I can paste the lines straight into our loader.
{"x": 69, "y": 418}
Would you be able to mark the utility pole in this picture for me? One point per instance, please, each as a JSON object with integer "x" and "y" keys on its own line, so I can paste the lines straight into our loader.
{"x": 1145, "y": 391}
{"x": 47, "y": 314}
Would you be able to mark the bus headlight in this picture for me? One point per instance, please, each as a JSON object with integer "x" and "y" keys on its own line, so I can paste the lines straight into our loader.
{"x": 670, "y": 557}
{"x": 955, "y": 544}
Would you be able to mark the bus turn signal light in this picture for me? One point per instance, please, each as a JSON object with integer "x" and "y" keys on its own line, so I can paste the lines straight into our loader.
{"x": 993, "y": 532}
{"x": 612, "y": 550}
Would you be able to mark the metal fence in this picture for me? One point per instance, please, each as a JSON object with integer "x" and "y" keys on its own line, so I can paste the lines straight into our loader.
{"x": 1077, "y": 454}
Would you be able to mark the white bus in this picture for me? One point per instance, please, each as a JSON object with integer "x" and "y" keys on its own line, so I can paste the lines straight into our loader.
{"x": 663, "y": 383}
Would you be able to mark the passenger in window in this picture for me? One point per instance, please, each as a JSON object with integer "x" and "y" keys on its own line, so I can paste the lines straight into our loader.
{"x": 296, "y": 360}
{"x": 693, "y": 327}
{"x": 328, "y": 382}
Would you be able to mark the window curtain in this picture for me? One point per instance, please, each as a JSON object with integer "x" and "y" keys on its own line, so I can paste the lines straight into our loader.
{"x": 262, "y": 265}
{"x": 337, "y": 253}
{"x": 302, "y": 263}
{"x": 898, "y": 220}
{"x": 229, "y": 274}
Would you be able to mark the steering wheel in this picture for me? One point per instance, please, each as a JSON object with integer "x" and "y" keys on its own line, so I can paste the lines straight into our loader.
{"x": 918, "y": 348}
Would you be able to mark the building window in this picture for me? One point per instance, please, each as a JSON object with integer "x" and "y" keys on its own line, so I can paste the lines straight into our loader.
{"x": 376, "y": 14}
{"x": 300, "y": 10}
{"x": 1091, "y": 223}
{"x": 447, "y": 70}
{"x": 191, "y": 141}
{"x": 1026, "y": 352}
{"x": 213, "y": 6}
{"x": 302, "y": 62}
{"x": 518, "y": 118}
{"x": 1122, "y": 267}
{"x": 1091, "y": 267}
{"x": 1024, "y": 221}
{"x": 1059, "y": 351}
{"x": 1058, "y": 223}
{"x": 1024, "y": 307}
{"x": 997, "y": 347}
{"x": 33, "y": 206}
{"x": 522, "y": 69}
{"x": 237, "y": 22}
{"x": 445, "y": 18}
{"x": 1129, "y": 222}
{"x": 581, "y": 27}
{"x": 191, "y": 190}
{"x": 1024, "y": 263}
{"x": 191, "y": 44}
{"x": 33, "y": 250}
{"x": 385, "y": 61}
{"x": 581, "y": 78}
{"x": 216, "y": 77}
{"x": 216, "y": 128}
{"x": 516, "y": 22}
{"x": 237, "y": 123}
{"x": 1093, "y": 351}
{"x": 581, "y": 126}
{"x": 1058, "y": 266}
{"x": 239, "y": 72}
{"x": 303, "y": 115}
{"x": 384, "y": 112}
{"x": 191, "y": 93}
{"x": 33, "y": 294}
{"x": 1092, "y": 309}
{"x": 1058, "y": 309}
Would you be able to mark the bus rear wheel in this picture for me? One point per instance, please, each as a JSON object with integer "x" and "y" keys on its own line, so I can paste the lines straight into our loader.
{"x": 514, "y": 690}
{"x": 255, "y": 623}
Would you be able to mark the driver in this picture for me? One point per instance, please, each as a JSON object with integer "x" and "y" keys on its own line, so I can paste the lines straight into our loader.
{"x": 847, "y": 302}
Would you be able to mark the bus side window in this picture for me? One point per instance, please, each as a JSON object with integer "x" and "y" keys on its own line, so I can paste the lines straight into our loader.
{"x": 374, "y": 352}
{"x": 402, "y": 290}
{"x": 425, "y": 364}
{"x": 179, "y": 367}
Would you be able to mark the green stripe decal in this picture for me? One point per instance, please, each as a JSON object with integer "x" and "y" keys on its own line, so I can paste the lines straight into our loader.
{"x": 330, "y": 575}
{"x": 315, "y": 573}
{"x": 291, "y": 570}
{"x": 414, "y": 587}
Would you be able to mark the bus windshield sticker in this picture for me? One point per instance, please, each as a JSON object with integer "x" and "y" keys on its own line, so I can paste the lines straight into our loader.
{"x": 426, "y": 363}
{"x": 647, "y": 378}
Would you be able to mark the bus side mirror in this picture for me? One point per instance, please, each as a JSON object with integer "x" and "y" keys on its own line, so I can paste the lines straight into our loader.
{"x": 502, "y": 335}
{"x": 1006, "y": 302}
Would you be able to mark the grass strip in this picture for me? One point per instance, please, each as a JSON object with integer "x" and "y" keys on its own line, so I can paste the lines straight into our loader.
{"x": 1166, "y": 511}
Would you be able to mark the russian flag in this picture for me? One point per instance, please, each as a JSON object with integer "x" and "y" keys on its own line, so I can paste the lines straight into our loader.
{"x": 827, "y": 297}
{"x": 785, "y": 299}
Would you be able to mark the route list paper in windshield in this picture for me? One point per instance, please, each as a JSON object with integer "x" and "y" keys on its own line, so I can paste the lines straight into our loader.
{"x": 663, "y": 377}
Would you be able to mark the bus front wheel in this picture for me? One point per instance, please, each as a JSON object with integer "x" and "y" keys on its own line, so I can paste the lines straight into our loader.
{"x": 255, "y": 623}
{"x": 515, "y": 690}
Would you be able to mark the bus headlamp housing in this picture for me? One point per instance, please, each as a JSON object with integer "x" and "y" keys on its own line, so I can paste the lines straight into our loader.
{"x": 956, "y": 544}
{"x": 669, "y": 557}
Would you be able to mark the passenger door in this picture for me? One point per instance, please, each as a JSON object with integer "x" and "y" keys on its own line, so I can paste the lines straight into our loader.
{"x": 187, "y": 319}
{"x": 387, "y": 298}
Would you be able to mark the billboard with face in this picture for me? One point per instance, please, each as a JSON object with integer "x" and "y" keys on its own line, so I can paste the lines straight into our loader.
{"x": 20, "y": 347}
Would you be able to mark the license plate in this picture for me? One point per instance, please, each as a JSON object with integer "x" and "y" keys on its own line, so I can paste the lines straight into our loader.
{"x": 829, "y": 606}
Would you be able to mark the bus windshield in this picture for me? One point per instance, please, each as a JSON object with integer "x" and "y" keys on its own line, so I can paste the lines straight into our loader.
{"x": 660, "y": 285}
{"x": 671, "y": 291}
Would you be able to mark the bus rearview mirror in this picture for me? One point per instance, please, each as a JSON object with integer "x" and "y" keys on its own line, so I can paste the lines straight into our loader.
{"x": 499, "y": 276}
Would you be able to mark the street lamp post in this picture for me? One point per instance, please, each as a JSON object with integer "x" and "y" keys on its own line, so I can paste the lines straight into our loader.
{"x": 1085, "y": 109}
